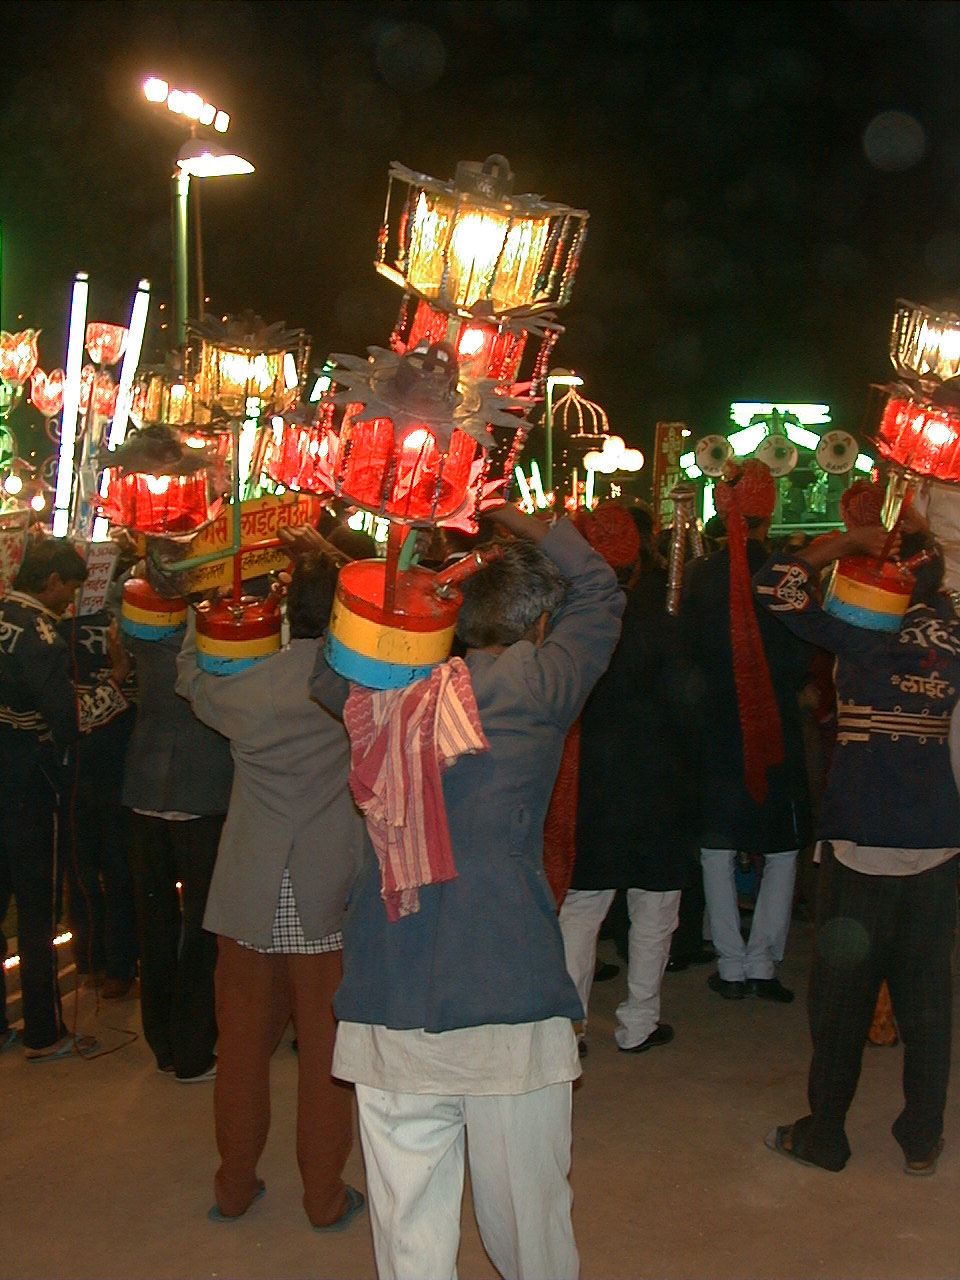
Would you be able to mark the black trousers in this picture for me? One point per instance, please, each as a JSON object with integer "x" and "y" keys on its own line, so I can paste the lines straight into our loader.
{"x": 99, "y": 887}
{"x": 871, "y": 928}
{"x": 177, "y": 955}
{"x": 28, "y": 833}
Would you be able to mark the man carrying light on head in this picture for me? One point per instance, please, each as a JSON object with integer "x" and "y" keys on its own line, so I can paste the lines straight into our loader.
{"x": 455, "y": 1018}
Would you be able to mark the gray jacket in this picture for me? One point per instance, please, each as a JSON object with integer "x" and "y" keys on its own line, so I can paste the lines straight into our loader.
{"x": 290, "y": 805}
{"x": 173, "y": 761}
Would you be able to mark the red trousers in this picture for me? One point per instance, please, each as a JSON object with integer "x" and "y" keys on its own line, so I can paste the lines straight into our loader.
{"x": 256, "y": 996}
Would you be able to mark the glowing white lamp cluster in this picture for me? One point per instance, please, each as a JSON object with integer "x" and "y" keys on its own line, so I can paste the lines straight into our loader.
{"x": 614, "y": 456}
{"x": 183, "y": 102}
{"x": 71, "y": 403}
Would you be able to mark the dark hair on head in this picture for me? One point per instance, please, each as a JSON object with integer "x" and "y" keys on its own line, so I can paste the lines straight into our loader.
{"x": 44, "y": 556}
{"x": 310, "y": 595}
{"x": 354, "y": 543}
{"x": 504, "y": 600}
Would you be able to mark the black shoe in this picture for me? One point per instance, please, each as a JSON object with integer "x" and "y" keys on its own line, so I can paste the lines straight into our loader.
{"x": 662, "y": 1033}
{"x": 729, "y": 990}
{"x": 677, "y": 966}
{"x": 604, "y": 972}
{"x": 769, "y": 989}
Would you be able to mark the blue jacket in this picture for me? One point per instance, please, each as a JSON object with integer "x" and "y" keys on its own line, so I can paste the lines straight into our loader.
{"x": 890, "y": 783}
{"x": 486, "y": 948}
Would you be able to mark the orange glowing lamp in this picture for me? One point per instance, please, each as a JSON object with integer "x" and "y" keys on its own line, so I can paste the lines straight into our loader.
{"x": 18, "y": 356}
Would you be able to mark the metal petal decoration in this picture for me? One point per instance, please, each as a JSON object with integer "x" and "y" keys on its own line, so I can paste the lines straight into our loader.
{"x": 421, "y": 388}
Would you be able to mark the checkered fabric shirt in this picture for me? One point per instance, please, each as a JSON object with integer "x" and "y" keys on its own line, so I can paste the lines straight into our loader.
{"x": 287, "y": 935}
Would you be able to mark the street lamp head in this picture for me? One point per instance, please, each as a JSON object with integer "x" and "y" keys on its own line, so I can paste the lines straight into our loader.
{"x": 564, "y": 378}
{"x": 200, "y": 159}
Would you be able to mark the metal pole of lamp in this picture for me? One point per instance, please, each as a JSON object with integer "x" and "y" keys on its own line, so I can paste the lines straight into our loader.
{"x": 181, "y": 188}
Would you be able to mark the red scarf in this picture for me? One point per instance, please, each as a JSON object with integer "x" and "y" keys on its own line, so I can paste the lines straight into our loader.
{"x": 750, "y": 491}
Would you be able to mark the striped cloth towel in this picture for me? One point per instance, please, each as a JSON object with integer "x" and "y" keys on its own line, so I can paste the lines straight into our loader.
{"x": 400, "y": 740}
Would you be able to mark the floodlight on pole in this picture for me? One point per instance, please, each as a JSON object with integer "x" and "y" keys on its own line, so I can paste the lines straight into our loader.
{"x": 185, "y": 102}
{"x": 200, "y": 159}
{"x": 71, "y": 403}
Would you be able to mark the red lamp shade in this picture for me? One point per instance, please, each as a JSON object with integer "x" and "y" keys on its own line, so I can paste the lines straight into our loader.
{"x": 483, "y": 350}
{"x": 105, "y": 342}
{"x": 18, "y": 356}
{"x": 407, "y": 478}
{"x": 157, "y": 504}
{"x": 46, "y": 391}
{"x": 921, "y": 438}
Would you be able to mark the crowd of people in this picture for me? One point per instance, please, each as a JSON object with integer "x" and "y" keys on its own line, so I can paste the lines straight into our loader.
{"x": 418, "y": 877}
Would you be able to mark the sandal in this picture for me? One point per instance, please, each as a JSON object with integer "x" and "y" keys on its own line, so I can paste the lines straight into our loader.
{"x": 781, "y": 1141}
{"x": 83, "y": 1046}
{"x": 355, "y": 1202}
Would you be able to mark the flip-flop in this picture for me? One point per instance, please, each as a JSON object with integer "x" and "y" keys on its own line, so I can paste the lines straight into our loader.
{"x": 216, "y": 1214}
{"x": 355, "y": 1202}
{"x": 84, "y": 1046}
{"x": 774, "y": 1140}
{"x": 10, "y": 1037}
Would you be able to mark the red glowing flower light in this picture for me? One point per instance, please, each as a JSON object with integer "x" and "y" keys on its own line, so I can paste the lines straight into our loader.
{"x": 156, "y": 504}
{"x": 46, "y": 391}
{"x": 106, "y": 342}
{"x": 18, "y": 356}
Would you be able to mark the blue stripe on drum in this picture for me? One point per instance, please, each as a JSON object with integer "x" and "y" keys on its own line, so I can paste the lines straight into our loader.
{"x": 869, "y": 619}
{"x": 215, "y": 665}
{"x": 143, "y": 631}
{"x": 370, "y": 672}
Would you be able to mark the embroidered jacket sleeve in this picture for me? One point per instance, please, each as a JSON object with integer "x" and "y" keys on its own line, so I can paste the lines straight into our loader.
{"x": 790, "y": 589}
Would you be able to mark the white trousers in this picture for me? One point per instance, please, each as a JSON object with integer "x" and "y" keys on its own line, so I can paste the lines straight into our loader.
{"x": 763, "y": 950}
{"x": 519, "y": 1152}
{"x": 653, "y": 918}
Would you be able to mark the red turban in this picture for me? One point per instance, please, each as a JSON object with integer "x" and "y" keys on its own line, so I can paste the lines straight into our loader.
{"x": 611, "y": 531}
{"x": 862, "y": 505}
{"x": 746, "y": 490}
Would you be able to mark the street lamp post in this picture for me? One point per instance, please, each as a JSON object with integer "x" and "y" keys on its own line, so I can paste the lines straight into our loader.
{"x": 197, "y": 158}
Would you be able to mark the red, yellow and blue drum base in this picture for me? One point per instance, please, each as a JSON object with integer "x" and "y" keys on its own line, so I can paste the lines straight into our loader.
{"x": 222, "y": 657}
{"x": 866, "y": 604}
{"x": 388, "y": 648}
{"x": 152, "y": 624}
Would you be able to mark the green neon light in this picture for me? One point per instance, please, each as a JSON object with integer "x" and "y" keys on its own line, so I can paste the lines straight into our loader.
{"x": 800, "y": 435}
{"x": 810, "y": 415}
{"x": 709, "y": 506}
{"x": 745, "y": 441}
{"x": 863, "y": 463}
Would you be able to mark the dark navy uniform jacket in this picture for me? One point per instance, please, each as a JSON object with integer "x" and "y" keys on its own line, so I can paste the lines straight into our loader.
{"x": 890, "y": 783}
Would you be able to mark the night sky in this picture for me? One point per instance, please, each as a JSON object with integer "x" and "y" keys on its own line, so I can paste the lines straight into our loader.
{"x": 755, "y": 208}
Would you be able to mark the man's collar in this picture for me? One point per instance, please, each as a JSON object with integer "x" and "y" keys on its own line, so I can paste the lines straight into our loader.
{"x": 31, "y": 602}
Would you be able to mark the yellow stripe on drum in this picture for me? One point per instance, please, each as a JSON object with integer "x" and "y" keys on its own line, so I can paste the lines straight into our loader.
{"x": 866, "y": 597}
{"x": 258, "y": 648}
{"x": 152, "y": 618}
{"x": 389, "y": 644}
